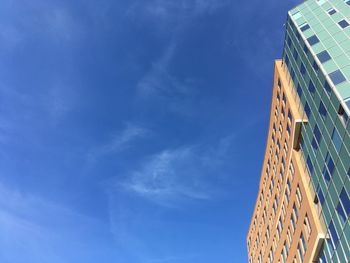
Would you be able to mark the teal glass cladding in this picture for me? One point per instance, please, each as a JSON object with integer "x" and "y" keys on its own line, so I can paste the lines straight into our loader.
{"x": 317, "y": 55}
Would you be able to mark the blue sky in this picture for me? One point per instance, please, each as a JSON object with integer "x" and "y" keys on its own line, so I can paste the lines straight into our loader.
{"x": 133, "y": 131}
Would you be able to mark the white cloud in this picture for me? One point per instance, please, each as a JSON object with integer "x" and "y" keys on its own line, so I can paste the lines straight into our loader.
{"x": 176, "y": 175}
{"x": 158, "y": 80}
{"x": 121, "y": 141}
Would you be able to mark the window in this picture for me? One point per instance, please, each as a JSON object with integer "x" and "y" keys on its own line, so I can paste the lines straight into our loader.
{"x": 313, "y": 40}
{"x": 287, "y": 196}
{"x": 343, "y": 23}
{"x": 311, "y": 88}
{"x": 300, "y": 253}
{"x": 279, "y": 84}
{"x": 292, "y": 74}
{"x": 347, "y": 2}
{"x": 295, "y": 54}
{"x": 328, "y": 168}
{"x": 286, "y": 60}
{"x": 284, "y": 98}
{"x": 333, "y": 234}
{"x": 295, "y": 212}
{"x": 299, "y": 195}
{"x": 290, "y": 118}
{"x": 306, "y": 49}
{"x": 331, "y": 11}
{"x": 307, "y": 109}
{"x": 344, "y": 116}
{"x": 309, "y": 165}
{"x": 317, "y": 137}
{"x": 302, "y": 242}
{"x": 322, "y": 110}
{"x": 343, "y": 207}
{"x": 289, "y": 236}
{"x": 292, "y": 222}
{"x": 307, "y": 226}
{"x": 320, "y": 195}
{"x": 337, "y": 77}
{"x": 336, "y": 139}
{"x": 327, "y": 87}
{"x": 288, "y": 130}
{"x": 304, "y": 27}
{"x": 299, "y": 91}
{"x": 289, "y": 41}
{"x": 323, "y": 56}
{"x": 302, "y": 69}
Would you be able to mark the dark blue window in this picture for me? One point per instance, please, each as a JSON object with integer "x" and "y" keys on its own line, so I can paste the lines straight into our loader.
{"x": 327, "y": 87}
{"x": 332, "y": 11}
{"x": 328, "y": 168}
{"x": 295, "y": 54}
{"x": 304, "y": 27}
{"x": 343, "y": 207}
{"x": 286, "y": 59}
{"x": 311, "y": 87}
{"x": 313, "y": 40}
{"x": 337, "y": 77}
{"x": 293, "y": 74}
{"x": 345, "y": 201}
{"x": 306, "y": 50}
{"x": 299, "y": 91}
{"x": 333, "y": 234}
{"x": 309, "y": 165}
{"x": 323, "y": 56}
{"x": 343, "y": 23}
{"x": 336, "y": 139}
{"x": 320, "y": 195}
{"x": 289, "y": 41}
{"x": 317, "y": 138}
{"x": 322, "y": 110}
{"x": 315, "y": 66}
{"x": 302, "y": 69}
{"x": 307, "y": 110}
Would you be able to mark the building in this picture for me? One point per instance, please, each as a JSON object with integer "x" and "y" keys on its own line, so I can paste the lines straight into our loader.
{"x": 302, "y": 208}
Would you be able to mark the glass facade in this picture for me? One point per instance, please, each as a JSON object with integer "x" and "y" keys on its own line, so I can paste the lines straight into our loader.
{"x": 317, "y": 55}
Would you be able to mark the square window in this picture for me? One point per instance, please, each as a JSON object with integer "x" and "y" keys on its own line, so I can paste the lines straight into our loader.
{"x": 337, "y": 77}
{"x": 305, "y": 27}
{"x": 313, "y": 40}
{"x": 323, "y": 56}
{"x": 343, "y": 23}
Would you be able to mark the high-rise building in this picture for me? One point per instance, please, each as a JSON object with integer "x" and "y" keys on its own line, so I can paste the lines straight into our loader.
{"x": 303, "y": 206}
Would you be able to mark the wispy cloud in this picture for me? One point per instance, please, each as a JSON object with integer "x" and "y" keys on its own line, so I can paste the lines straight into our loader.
{"x": 175, "y": 175}
{"x": 159, "y": 81}
{"x": 168, "y": 11}
{"x": 121, "y": 141}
